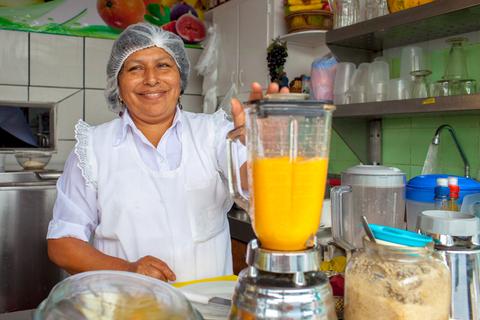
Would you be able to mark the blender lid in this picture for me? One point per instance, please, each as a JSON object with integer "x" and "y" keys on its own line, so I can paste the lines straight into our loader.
{"x": 450, "y": 223}
{"x": 267, "y": 107}
{"x": 374, "y": 170}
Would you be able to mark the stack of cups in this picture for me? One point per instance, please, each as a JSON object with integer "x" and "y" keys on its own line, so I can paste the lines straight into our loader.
{"x": 343, "y": 77}
{"x": 378, "y": 77}
{"x": 357, "y": 92}
{"x": 412, "y": 60}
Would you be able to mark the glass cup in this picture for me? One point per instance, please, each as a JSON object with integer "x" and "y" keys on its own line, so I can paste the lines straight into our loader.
{"x": 420, "y": 88}
{"x": 412, "y": 59}
{"x": 287, "y": 145}
{"x": 456, "y": 68}
{"x": 345, "y": 12}
{"x": 398, "y": 89}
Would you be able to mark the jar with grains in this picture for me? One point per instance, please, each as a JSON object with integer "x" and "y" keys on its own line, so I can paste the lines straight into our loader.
{"x": 396, "y": 282}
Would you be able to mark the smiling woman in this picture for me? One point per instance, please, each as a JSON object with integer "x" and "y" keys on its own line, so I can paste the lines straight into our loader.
{"x": 148, "y": 189}
{"x": 149, "y": 84}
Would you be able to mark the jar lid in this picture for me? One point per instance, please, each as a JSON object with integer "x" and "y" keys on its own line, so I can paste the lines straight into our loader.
{"x": 450, "y": 223}
{"x": 399, "y": 236}
{"x": 421, "y": 188}
{"x": 374, "y": 176}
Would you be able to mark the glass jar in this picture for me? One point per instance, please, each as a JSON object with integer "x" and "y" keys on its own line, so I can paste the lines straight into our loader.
{"x": 396, "y": 282}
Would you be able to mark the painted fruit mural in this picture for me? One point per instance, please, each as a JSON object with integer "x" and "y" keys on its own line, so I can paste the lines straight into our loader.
{"x": 190, "y": 28}
{"x": 121, "y": 13}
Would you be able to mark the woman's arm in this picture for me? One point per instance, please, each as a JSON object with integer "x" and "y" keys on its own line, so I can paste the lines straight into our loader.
{"x": 76, "y": 256}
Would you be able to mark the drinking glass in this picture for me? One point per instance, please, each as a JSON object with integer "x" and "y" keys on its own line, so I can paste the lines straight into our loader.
{"x": 456, "y": 68}
{"x": 375, "y": 8}
{"x": 345, "y": 12}
{"x": 398, "y": 89}
{"x": 420, "y": 87}
{"x": 412, "y": 59}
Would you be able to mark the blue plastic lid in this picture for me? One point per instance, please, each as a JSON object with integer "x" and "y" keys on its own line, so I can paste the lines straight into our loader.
{"x": 421, "y": 188}
{"x": 399, "y": 236}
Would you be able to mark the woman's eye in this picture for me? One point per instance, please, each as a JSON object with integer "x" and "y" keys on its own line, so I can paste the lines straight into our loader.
{"x": 134, "y": 68}
{"x": 163, "y": 65}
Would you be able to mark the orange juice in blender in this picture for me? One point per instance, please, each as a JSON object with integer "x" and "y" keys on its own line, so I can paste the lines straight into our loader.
{"x": 287, "y": 200}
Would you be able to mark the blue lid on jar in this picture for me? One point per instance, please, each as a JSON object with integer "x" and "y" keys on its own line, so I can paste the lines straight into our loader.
{"x": 399, "y": 236}
{"x": 421, "y": 188}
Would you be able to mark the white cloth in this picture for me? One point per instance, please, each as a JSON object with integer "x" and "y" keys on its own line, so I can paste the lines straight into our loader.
{"x": 136, "y": 207}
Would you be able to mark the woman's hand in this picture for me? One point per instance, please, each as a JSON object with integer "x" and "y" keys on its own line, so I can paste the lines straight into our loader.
{"x": 238, "y": 113}
{"x": 153, "y": 267}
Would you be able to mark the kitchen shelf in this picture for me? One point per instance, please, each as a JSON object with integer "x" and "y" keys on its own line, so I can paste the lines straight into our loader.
{"x": 438, "y": 19}
{"x": 308, "y": 38}
{"x": 381, "y": 109}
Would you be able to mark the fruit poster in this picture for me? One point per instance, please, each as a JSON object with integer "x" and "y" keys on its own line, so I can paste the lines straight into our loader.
{"x": 104, "y": 18}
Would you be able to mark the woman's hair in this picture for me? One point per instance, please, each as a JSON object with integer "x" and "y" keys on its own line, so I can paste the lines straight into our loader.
{"x": 137, "y": 37}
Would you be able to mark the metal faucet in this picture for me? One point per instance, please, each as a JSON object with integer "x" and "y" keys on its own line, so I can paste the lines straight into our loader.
{"x": 436, "y": 141}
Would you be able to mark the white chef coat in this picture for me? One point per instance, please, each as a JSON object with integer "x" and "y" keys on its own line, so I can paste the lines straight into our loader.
{"x": 169, "y": 202}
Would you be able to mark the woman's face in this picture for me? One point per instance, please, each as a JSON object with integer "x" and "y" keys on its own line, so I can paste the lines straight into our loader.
{"x": 149, "y": 83}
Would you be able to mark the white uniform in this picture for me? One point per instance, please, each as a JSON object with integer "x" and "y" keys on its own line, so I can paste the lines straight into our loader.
{"x": 178, "y": 216}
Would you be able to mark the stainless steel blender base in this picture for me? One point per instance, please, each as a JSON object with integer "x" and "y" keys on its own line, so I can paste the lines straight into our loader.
{"x": 301, "y": 291}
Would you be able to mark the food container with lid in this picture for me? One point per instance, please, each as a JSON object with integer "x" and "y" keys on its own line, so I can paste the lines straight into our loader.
{"x": 391, "y": 281}
{"x": 420, "y": 194}
{"x": 115, "y": 295}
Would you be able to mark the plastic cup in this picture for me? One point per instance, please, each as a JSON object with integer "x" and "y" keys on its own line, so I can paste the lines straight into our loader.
{"x": 398, "y": 89}
{"x": 343, "y": 77}
{"x": 378, "y": 76}
{"x": 357, "y": 92}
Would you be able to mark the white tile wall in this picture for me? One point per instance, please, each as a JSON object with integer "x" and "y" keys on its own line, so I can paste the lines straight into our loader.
{"x": 13, "y": 93}
{"x": 13, "y": 57}
{"x": 194, "y": 85}
{"x": 96, "y": 110}
{"x": 97, "y": 53}
{"x": 56, "y": 60}
{"x": 69, "y": 108}
{"x": 64, "y": 147}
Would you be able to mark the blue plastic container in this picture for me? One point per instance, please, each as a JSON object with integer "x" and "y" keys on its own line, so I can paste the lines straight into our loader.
{"x": 421, "y": 193}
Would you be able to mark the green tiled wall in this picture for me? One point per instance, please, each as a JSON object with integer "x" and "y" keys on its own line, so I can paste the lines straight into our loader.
{"x": 406, "y": 140}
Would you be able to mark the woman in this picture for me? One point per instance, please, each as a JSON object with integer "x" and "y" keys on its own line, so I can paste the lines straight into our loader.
{"x": 148, "y": 189}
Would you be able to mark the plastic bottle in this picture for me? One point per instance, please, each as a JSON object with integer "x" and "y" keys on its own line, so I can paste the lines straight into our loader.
{"x": 454, "y": 192}
{"x": 442, "y": 194}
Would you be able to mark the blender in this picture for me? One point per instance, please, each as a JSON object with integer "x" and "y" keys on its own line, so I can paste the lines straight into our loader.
{"x": 287, "y": 143}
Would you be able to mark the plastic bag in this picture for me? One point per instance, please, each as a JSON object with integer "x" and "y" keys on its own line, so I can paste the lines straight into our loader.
{"x": 323, "y": 77}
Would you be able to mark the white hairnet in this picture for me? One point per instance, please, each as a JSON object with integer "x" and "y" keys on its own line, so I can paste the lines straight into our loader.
{"x": 137, "y": 37}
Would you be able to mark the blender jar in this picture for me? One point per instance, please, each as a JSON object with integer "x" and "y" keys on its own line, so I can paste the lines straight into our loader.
{"x": 376, "y": 192}
{"x": 287, "y": 145}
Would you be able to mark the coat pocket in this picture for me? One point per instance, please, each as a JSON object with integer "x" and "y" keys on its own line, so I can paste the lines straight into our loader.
{"x": 205, "y": 206}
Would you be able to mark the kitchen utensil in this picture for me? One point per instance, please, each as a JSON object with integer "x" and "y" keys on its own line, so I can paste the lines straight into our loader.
{"x": 376, "y": 192}
{"x": 114, "y": 295}
{"x": 420, "y": 194}
{"x": 453, "y": 233}
{"x": 287, "y": 145}
{"x": 367, "y": 229}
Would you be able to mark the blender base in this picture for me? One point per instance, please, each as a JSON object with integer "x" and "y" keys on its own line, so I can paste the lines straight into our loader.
{"x": 290, "y": 294}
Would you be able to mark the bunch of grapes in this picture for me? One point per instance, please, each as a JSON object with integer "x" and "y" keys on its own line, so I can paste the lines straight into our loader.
{"x": 276, "y": 57}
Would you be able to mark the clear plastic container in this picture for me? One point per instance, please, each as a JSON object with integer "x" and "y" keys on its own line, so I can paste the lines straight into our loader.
{"x": 114, "y": 295}
{"x": 396, "y": 282}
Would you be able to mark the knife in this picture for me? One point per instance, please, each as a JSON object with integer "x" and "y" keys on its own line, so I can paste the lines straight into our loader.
{"x": 200, "y": 298}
